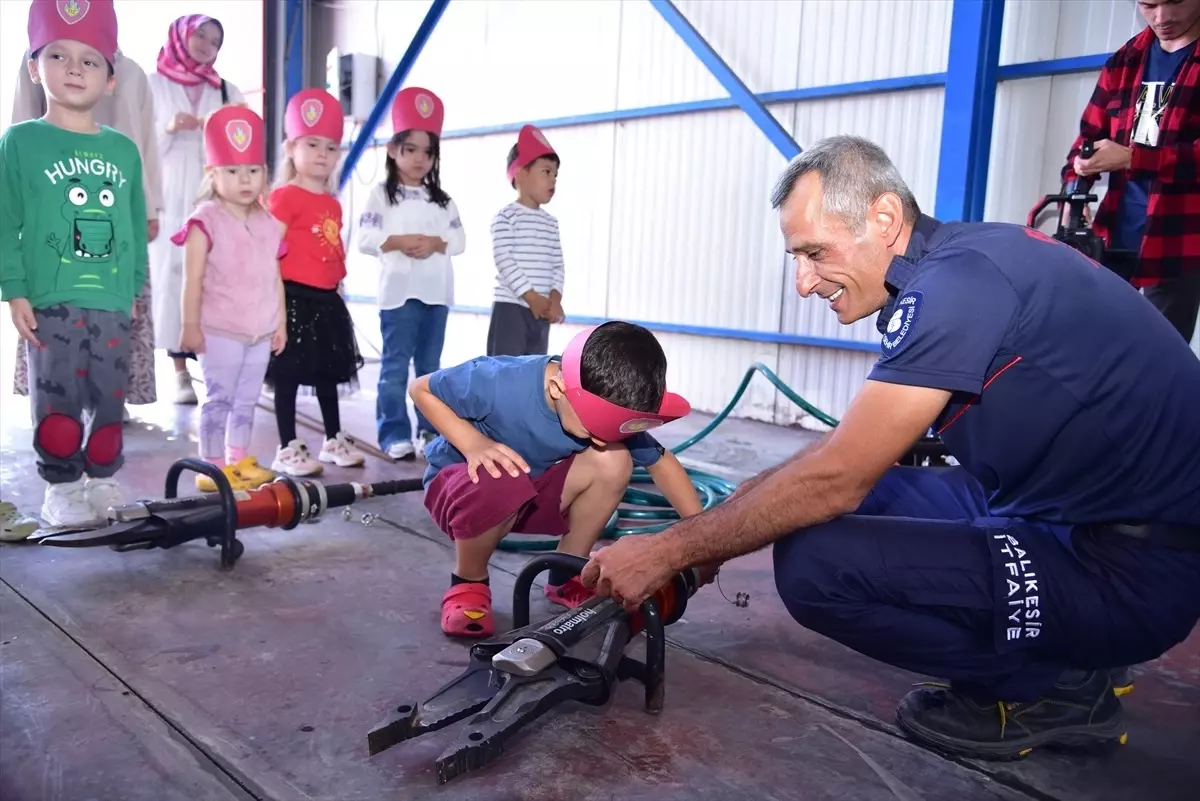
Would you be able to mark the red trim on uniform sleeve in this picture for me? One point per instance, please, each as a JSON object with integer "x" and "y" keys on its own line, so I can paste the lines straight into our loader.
{"x": 971, "y": 402}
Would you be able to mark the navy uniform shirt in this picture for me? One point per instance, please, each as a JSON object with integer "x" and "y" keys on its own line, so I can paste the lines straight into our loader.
{"x": 1074, "y": 400}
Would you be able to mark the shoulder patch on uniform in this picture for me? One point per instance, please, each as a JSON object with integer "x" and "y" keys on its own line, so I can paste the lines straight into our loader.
{"x": 902, "y": 322}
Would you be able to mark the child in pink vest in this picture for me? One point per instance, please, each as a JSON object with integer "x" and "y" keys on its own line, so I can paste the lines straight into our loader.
{"x": 232, "y": 292}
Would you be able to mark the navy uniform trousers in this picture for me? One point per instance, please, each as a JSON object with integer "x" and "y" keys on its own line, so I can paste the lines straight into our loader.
{"x": 921, "y": 578}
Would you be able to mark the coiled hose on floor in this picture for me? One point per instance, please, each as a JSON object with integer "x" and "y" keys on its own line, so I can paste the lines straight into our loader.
{"x": 652, "y": 512}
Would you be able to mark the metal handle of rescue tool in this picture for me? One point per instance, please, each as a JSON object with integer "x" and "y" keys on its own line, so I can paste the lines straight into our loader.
{"x": 650, "y": 618}
{"x": 231, "y": 549}
{"x": 1077, "y": 194}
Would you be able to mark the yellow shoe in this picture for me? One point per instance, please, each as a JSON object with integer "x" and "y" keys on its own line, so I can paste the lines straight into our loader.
{"x": 254, "y": 474}
{"x": 237, "y": 481}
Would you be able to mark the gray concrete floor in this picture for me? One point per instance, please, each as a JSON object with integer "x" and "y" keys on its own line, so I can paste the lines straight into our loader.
{"x": 155, "y": 675}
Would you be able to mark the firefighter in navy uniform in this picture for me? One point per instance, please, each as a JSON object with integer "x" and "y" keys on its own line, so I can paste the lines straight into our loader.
{"x": 1066, "y": 545}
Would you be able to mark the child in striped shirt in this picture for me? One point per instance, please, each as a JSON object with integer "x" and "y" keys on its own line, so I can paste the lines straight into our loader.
{"x": 528, "y": 254}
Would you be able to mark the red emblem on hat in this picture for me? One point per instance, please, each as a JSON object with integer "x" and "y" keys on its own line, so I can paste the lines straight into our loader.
{"x": 531, "y": 146}
{"x": 72, "y": 11}
{"x": 417, "y": 109}
{"x": 93, "y": 22}
{"x": 310, "y": 111}
{"x": 313, "y": 112}
{"x": 239, "y": 134}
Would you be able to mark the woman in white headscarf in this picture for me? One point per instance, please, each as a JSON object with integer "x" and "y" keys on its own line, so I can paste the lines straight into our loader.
{"x": 186, "y": 90}
{"x": 130, "y": 110}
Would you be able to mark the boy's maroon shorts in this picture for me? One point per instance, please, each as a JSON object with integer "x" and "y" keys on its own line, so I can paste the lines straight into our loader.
{"x": 464, "y": 510}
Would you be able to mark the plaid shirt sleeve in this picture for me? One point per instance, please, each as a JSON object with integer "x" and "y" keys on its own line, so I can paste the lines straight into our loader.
{"x": 1095, "y": 123}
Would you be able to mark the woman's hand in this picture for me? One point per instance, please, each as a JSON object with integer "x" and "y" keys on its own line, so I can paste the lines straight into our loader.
{"x": 182, "y": 121}
{"x": 192, "y": 339}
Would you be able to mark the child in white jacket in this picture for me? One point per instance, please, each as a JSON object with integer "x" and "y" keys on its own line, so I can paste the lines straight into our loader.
{"x": 413, "y": 227}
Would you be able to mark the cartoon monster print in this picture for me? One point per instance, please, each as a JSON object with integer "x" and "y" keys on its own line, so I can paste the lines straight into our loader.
{"x": 88, "y": 256}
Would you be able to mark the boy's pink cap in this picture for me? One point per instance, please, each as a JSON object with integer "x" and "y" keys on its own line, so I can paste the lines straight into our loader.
{"x": 531, "y": 146}
{"x": 233, "y": 136}
{"x": 606, "y": 421}
{"x": 314, "y": 112}
{"x": 93, "y": 22}
{"x": 417, "y": 109}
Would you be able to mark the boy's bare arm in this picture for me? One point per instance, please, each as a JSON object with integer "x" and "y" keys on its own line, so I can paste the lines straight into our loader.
{"x": 477, "y": 448}
{"x": 676, "y": 485}
{"x": 457, "y": 431}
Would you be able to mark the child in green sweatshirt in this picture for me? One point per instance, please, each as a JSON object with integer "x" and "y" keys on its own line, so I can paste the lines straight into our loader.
{"x": 73, "y": 257}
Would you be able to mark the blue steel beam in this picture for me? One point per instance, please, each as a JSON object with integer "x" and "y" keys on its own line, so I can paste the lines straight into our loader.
{"x": 749, "y": 103}
{"x": 1055, "y": 66}
{"x": 1008, "y": 72}
{"x": 738, "y": 334}
{"x": 969, "y": 106}
{"x": 293, "y": 53}
{"x": 382, "y": 105}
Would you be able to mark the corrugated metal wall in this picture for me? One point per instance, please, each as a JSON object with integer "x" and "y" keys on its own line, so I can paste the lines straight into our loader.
{"x": 667, "y": 219}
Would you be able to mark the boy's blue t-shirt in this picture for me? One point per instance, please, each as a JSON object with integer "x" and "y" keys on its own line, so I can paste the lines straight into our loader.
{"x": 504, "y": 397}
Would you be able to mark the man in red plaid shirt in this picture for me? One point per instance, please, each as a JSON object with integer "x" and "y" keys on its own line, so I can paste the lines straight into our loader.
{"x": 1144, "y": 117}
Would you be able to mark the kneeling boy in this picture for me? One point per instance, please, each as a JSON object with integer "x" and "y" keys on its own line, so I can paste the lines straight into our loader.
{"x": 557, "y": 439}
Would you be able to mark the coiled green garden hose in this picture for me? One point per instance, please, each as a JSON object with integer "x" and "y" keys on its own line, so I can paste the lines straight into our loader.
{"x": 712, "y": 489}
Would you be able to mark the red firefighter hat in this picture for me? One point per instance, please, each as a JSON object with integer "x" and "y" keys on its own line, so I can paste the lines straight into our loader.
{"x": 93, "y": 22}
{"x": 531, "y": 146}
{"x": 417, "y": 109}
{"x": 233, "y": 136}
{"x": 314, "y": 112}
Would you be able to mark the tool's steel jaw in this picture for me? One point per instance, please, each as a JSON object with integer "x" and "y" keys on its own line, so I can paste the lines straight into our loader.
{"x": 509, "y": 682}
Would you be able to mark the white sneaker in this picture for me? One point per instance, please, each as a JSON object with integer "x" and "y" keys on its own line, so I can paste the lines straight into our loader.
{"x": 295, "y": 460}
{"x": 103, "y": 494}
{"x": 339, "y": 451}
{"x": 185, "y": 394}
{"x": 15, "y": 526}
{"x": 398, "y": 451}
{"x": 423, "y": 443}
{"x": 67, "y": 505}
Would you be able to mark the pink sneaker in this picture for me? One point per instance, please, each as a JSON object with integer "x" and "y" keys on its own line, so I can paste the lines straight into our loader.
{"x": 569, "y": 594}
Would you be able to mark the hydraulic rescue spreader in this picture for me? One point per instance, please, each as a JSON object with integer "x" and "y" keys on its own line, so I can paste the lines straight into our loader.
{"x": 515, "y": 678}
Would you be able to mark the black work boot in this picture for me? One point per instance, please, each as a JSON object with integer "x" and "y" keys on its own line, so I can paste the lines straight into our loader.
{"x": 1081, "y": 714}
{"x": 1122, "y": 681}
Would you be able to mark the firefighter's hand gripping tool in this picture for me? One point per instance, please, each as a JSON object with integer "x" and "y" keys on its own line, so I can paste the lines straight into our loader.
{"x": 515, "y": 678}
{"x": 216, "y": 518}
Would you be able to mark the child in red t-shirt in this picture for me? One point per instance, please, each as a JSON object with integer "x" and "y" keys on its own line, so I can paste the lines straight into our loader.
{"x": 321, "y": 352}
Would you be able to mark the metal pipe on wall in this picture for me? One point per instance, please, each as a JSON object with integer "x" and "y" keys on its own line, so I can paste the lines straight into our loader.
{"x": 383, "y": 104}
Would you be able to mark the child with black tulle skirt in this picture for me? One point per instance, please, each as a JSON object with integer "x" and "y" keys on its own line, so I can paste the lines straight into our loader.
{"x": 322, "y": 352}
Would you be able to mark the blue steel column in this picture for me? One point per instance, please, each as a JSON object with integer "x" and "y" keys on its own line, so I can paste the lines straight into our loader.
{"x": 383, "y": 104}
{"x": 750, "y": 104}
{"x": 293, "y": 53}
{"x": 969, "y": 106}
